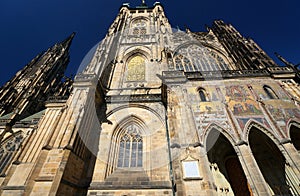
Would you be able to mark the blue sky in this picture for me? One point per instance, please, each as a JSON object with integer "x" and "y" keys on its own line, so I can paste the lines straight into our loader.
{"x": 31, "y": 26}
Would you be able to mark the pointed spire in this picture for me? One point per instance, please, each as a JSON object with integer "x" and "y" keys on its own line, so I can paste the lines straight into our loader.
{"x": 67, "y": 42}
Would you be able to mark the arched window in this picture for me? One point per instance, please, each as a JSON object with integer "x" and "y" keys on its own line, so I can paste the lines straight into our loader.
{"x": 136, "y": 69}
{"x": 8, "y": 149}
{"x": 201, "y": 58}
{"x": 270, "y": 93}
{"x": 130, "y": 148}
{"x": 202, "y": 95}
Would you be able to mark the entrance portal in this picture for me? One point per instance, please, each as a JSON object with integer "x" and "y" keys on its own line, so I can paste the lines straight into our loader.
{"x": 277, "y": 174}
{"x": 226, "y": 168}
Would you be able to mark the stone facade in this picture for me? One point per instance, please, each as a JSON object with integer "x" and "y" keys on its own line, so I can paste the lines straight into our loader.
{"x": 160, "y": 111}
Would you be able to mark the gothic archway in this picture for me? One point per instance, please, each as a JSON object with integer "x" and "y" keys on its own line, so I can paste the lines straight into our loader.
{"x": 226, "y": 168}
{"x": 295, "y": 136}
{"x": 272, "y": 164}
{"x": 127, "y": 145}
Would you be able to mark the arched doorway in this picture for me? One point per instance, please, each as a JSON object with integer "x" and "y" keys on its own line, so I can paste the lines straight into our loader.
{"x": 295, "y": 136}
{"x": 227, "y": 171}
{"x": 272, "y": 164}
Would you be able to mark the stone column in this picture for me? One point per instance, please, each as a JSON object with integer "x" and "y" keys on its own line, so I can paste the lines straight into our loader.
{"x": 207, "y": 184}
{"x": 253, "y": 174}
{"x": 292, "y": 157}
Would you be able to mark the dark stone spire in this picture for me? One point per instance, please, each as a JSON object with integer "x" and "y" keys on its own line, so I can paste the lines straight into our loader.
{"x": 244, "y": 52}
{"x": 26, "y": 93}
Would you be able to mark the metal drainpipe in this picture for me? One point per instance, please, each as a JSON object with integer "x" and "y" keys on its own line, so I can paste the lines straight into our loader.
{"x": 169, "y": 151}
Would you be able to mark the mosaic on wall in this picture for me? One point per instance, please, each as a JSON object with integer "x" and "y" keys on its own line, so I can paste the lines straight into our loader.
{"x": 261, "y": 93}
{"x": 240, "y": 102}
{"x": 209, "y": 111}
{"x": 244, "y": 106}
{"x": 282, "y": 112}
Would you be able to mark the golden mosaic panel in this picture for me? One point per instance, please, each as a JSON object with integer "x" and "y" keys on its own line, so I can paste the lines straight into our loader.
{"x": 136, "y": 69}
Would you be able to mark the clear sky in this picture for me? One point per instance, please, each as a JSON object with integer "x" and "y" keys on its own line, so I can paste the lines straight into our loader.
{"x": 31, "y": 26}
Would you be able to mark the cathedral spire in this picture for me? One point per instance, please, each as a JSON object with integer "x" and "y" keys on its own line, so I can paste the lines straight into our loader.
{"x": 26, "y": 93}
{"x": 67, "y": 42}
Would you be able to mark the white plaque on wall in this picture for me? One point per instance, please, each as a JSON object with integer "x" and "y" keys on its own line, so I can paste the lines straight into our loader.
{"x": 191, "y": 169}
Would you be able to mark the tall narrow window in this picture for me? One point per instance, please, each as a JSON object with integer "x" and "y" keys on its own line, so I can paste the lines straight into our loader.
{"x": 130, "y": 148}
{"x": 178, "y": 63}
{"x": 202, "y": 95}
{"x": 270, "y": 93}
{"x": 136, "y": 69}
{"x": 187, "y": 64}
{"x": 8, "y": 149}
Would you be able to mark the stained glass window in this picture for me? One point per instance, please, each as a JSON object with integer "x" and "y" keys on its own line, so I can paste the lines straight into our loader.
{"x": 130, "y": 148}
{"x": 136, "y": 69}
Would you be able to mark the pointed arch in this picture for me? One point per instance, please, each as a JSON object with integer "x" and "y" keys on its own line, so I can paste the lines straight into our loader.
{"x": 131, "y": 51}
{"x": 130, "y": 120}
{"x": 202, "y": 57}
{"x": 225, "y": 166}
{"x": 254, "y": 124}
{"x": 221, "y": 130}
{"x": 290, "y": 123}
{"x": 203, "y": 94}
{"x": 270, "y": 92}
{"x": 127, "y": 144}
{"x": 271, "y": 159}
{"x": 294, "y": 133}
{"x": 135, "y": 105}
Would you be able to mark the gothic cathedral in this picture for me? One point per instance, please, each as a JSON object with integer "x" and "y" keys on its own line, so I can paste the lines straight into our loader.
{"x": 156, "y": 111}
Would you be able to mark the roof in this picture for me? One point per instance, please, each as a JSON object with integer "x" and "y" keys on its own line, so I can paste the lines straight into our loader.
{"x": 34, "y": 116}
{"x": 6, "y": 116}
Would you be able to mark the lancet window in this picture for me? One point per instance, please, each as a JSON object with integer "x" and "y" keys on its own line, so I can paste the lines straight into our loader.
{"x": 269, "y": 92}
{"x": 202, "y": 95}
{"x": 130, "y": 148}
{"x": 8, "y": 149}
